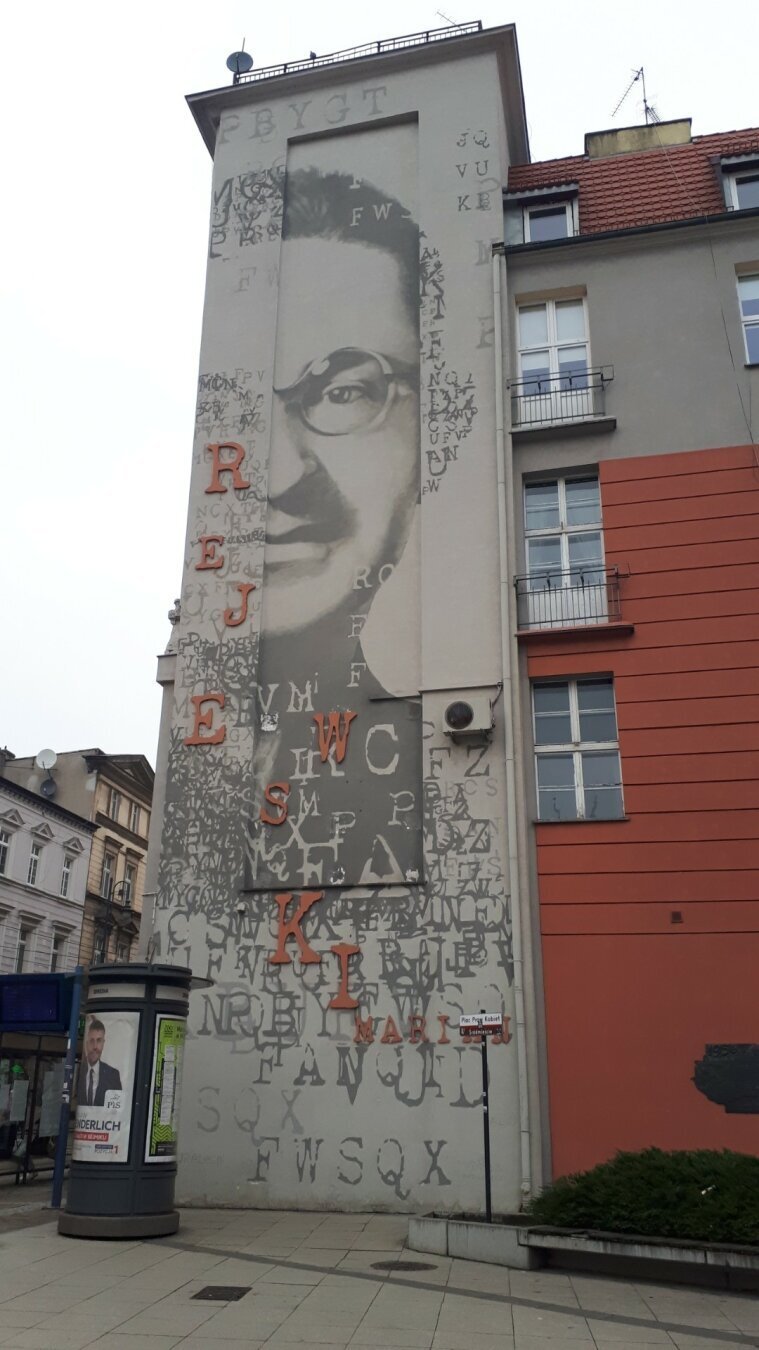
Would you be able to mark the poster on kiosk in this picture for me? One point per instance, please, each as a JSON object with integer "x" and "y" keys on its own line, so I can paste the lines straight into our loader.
{"x": 106, "y": 1087}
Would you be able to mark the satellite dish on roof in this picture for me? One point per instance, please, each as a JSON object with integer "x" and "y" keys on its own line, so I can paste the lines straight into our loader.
{"x": 240, "y": 63}
{"x": 46, "y": 759}
{"x": 49, "y": 788}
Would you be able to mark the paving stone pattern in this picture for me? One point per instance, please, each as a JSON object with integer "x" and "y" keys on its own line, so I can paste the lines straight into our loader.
{"x": 313, "y": 1282}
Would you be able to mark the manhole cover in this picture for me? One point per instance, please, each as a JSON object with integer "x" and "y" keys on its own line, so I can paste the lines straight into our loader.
{"x": 223, "y": 1293}
{"x": 402, "y": 1265}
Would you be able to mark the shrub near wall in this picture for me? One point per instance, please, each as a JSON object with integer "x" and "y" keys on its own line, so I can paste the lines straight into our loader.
{"x": 703, "y": 1196}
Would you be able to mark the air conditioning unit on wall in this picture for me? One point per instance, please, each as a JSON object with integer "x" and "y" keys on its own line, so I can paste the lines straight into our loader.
{"x": 468, "y": 716}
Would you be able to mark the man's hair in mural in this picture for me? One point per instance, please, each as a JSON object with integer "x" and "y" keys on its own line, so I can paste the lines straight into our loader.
{"x": 352, "y": 211}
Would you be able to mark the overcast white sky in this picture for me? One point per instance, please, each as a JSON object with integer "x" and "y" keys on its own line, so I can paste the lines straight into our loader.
{"x": 103, "y": 259}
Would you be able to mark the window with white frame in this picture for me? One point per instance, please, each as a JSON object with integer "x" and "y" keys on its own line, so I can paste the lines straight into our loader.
{"x": 577, "y": 764}
{"x": 127, "y": 889}
{"x": 68, "y": 863}
{"x": 58, "y": 950}
{"x": 134, "y": 817}
{"x": 548, "y": 220}
{"x": 554, "y": 360}
{"x": 107, "y": 875}
{"x": 98, "y": 951}
{"x": 33, "y": 870}
{"x": 114, "y": 803}
{"x": 566, "y": 579}
{"x": 24, "y": 948}
{"x": 122, "y": 951}
{"x": 748, "y": 295}
{"x": 5, "y": 848}
{"x": 743, "y": 188}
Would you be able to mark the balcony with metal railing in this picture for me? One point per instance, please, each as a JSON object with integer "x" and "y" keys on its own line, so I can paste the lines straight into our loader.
{"x": 395, "y": 44}
{"x": 573, "y": 400}
{"x": 580, "y": 599}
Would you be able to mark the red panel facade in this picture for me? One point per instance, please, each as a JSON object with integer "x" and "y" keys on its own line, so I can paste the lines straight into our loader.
{"x": 651, "y": 924}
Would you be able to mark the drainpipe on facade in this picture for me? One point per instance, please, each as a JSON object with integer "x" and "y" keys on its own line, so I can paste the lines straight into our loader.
{"x": 511, "y": 722}
{"x": 165, "y": 677}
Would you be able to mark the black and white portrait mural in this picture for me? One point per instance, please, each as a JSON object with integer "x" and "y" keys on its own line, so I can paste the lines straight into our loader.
{"x": 338, "y": 757}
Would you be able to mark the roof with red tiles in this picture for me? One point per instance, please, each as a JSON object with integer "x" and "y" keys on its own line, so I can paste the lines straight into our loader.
{"x": 643, "y": 187}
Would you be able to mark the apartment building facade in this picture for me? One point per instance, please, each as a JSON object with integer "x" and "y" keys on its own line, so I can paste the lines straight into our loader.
{"x": 449, "y": 591}
{"x": 113, "y": 792}
{"x": 633, "y": 323}
{"x": 44, "y": 861}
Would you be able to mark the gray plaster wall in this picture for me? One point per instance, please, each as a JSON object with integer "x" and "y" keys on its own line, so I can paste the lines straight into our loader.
{"x": 663, "y": 310}
{"x": 284, "y": 1103}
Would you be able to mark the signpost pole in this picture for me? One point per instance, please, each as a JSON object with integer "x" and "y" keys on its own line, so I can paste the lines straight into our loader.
{"x": 483, "y": 1024}
{"x": 486, "y": 1126}
{"x": 68, "y": 1084}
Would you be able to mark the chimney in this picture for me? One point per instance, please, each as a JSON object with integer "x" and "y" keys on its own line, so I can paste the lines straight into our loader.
{"x": 651, "y": 136}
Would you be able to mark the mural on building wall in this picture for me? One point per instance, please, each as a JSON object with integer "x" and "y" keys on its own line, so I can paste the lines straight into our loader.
{"x": 338, "y": 759}
{"x": 329, "y": 858}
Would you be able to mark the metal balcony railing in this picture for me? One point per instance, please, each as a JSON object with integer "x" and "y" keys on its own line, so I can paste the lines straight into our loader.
{"x": 574, "y": 396}
{"x": 574, "y": 599}
{"x": 356, "y": 53}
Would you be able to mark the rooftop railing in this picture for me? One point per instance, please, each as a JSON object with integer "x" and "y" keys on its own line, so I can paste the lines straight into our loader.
{"x": 357, "y": 53}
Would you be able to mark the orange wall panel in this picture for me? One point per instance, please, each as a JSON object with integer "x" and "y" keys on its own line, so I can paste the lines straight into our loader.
{"x": 627, "y": 1019}
{"x": 583, "y": 658}
{"x": 635, "y": 537}
{"x": 665, "y": 797}
{"x": 685, "y": 508}
{"x": 632, "y": 998}
{"x": 723, "y": 916}
{"x": 729, "y": 578}
{"x": 711, "y": 855}
{"x": 562, "y": 888}
{"x": 662, "y": 609}
{"x": 670, "y": 826}
{"x": 689, "y": 712}
{"x": 682, "y": 465}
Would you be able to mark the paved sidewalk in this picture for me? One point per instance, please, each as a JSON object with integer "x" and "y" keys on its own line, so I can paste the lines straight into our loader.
{"x": 312, "y": 1281}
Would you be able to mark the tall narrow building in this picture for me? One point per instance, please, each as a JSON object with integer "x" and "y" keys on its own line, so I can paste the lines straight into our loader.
{"x": 334, "y": 854}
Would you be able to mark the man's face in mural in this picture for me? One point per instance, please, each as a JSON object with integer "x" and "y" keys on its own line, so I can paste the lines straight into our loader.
{"x": 345, "y": 437}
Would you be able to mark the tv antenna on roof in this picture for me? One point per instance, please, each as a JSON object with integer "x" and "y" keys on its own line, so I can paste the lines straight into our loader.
{"x": 441, "y": 15}
{"x": 649, "y": 110}
{"x": 239, "y": 63}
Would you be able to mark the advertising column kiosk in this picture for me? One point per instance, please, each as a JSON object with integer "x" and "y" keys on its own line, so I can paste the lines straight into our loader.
{"x": 124, "y": 1159}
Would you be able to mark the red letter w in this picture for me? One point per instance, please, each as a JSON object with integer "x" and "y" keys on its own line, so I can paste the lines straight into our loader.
{"x": 337, "y": 730}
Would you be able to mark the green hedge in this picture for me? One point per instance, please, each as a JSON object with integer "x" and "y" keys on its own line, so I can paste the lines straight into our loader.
{"x": 704, "y": 1195}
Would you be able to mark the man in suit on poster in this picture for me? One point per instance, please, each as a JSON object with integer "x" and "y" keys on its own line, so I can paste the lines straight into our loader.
{"x": 96, "y": 1078}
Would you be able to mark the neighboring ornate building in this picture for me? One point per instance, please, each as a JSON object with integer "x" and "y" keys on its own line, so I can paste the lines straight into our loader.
{"x": 44, "y": 861}
{"x": 114, "y": 792}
